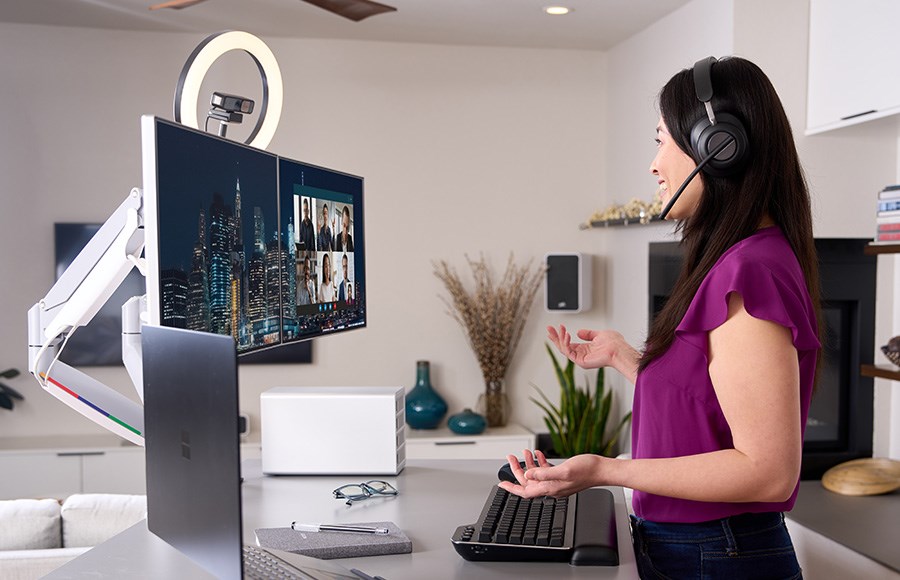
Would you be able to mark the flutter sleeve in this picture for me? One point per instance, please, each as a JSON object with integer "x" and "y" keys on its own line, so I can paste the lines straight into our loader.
{"x": 778, "y": 296}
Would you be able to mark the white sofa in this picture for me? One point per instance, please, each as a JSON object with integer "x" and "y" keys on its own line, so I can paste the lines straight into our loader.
{"x": 39, "y": 535}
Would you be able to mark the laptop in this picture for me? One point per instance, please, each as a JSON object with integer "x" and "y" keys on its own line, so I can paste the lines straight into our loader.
{"x": 193, "y": 456}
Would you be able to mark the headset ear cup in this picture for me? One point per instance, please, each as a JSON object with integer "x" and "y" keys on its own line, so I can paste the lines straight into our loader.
{"x": 705, "y": 137}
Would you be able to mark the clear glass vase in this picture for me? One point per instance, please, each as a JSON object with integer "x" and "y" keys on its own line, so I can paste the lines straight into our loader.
{"x": 493, "y": 404}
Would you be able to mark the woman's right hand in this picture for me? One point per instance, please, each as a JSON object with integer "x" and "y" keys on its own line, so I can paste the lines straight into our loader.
{"x": 602, "y": 348}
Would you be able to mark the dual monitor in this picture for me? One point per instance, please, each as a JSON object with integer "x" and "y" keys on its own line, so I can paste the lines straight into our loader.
{"x": 245, "y": 243}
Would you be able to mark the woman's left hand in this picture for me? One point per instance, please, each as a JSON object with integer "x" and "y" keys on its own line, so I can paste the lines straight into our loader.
{"x": 540, "y": 478}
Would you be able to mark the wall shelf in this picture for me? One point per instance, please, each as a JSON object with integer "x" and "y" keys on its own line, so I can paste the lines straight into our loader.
{"x": 635, "y": 221}
{"x": 875, "y": 249}
{"x": 880, "y": 372}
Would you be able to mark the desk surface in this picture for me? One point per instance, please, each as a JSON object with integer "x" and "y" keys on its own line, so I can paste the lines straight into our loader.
{"x": 435, "y": 497}
{"x": 865, "y": 524}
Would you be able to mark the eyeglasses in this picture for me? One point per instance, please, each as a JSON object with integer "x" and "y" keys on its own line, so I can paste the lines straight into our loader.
{"x": 359, "y": 491}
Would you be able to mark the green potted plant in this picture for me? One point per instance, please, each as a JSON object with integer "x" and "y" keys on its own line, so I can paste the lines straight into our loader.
{"x": 579, "y": 424}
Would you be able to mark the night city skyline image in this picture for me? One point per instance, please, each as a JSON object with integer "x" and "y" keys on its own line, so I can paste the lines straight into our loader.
{"x": 233, "y": 287}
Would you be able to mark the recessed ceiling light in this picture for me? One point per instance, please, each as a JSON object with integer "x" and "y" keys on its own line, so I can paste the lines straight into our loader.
{"x": 557, "y": 10}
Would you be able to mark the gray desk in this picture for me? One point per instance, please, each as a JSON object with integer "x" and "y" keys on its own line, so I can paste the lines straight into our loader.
{"x": 435, "y": 497}
{"x": 865, "y": 524}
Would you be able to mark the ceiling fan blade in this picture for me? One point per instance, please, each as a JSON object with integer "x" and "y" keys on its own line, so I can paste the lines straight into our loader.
{"x": 176, "y": 4}
{"x": 355, "y": 10}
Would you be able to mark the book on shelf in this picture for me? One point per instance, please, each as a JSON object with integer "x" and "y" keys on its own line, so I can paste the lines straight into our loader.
{"x": 889, "y": 227}
{"x": 889, "y": 192}
{"x": 887, "y": 216}
{"x": 891, "y": 205}
{"x": 887, "y": 219}
{"x": 888, "y": 237}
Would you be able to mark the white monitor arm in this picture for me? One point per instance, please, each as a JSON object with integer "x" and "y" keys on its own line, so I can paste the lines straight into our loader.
{"x": 73, "y": 301}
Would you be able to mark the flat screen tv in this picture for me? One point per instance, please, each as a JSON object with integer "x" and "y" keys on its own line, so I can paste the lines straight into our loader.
{"x": 99, "y": 343}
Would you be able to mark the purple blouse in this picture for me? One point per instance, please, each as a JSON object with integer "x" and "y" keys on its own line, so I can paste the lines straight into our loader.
{"x": 676, "y": 412}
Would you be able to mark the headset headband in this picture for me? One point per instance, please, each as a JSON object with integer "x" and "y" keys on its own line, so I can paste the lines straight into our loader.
{"x": 703, "y": 85}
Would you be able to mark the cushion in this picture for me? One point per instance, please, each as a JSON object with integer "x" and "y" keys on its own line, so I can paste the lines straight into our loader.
{"x": 92, "y": 518}
{"x": 29, "y": 524}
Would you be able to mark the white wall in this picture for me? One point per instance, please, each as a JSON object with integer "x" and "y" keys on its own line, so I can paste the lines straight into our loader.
{"x": 464, "y": 150}
{"x": 638, "y": 68}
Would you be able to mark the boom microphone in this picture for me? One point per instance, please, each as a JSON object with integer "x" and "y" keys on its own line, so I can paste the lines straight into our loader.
{"x": 693, "y": 174}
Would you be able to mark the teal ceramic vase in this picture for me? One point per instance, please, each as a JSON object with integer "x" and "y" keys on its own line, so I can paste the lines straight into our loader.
{"x": 424, "y": 406}
{"x": 468, "y": 422}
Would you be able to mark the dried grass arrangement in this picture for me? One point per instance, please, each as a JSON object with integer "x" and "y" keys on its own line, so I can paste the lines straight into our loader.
{"x": 492, "y": 315}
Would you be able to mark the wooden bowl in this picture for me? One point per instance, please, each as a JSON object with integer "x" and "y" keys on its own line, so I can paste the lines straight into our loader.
{"x": 871, "y": 476}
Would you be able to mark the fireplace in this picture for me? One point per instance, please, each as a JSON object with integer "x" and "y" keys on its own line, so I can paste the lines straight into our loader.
{"x": 839, "y": 427}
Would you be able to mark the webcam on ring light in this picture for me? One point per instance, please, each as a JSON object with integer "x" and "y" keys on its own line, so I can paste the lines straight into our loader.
{"x": 228, "y": 109}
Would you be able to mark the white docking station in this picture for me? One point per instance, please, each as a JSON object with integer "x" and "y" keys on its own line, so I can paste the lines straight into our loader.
{"x": 333, "y": 430}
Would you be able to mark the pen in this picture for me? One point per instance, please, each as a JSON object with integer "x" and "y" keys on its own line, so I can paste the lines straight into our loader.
{"x": 337, "y": 528}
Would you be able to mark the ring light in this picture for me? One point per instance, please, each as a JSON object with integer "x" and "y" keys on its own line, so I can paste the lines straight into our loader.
{"x": 187, "y": 93}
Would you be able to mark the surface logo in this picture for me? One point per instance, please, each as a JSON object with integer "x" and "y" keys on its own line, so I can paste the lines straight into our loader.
{"x": 186, "y": 445}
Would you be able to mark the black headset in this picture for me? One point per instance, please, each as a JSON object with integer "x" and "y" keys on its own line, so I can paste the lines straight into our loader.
{"x": 712, "y": 130}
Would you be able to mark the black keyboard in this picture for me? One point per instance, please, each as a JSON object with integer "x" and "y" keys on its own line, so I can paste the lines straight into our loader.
{"x": 580, "y": 529}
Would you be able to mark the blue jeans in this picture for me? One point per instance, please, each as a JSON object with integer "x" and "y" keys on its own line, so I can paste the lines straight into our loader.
{"x": 739, "y": 547}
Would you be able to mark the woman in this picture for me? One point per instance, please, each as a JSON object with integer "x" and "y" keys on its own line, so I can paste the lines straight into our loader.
{"x": 326, "y": 287}
{"x": 723, "y": 384}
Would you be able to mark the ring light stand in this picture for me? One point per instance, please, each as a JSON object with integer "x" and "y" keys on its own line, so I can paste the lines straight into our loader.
{"x": 187, "y": 92}
{"x": 115, "y": 249}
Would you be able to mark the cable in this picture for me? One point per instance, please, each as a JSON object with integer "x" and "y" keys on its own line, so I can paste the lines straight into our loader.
{"x": 40, "y": 355}
{"x": 58, "y": 352}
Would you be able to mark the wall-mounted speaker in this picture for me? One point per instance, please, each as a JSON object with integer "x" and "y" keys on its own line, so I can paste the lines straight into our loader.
{"x": 567, "y": 286}
{"x": 243, "y": 425}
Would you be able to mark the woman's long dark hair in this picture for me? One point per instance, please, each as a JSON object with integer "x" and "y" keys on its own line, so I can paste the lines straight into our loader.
{"x": 731, "y": 208}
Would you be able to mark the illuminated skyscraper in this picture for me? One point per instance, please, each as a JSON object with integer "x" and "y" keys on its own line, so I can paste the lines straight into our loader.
{"x": 198, "y": 282}
{"x": 238, "y": 300}
{"x": 259, "y": 231}
{"x": 289, "y": 272}
{"x": 174, "y": 298}
{"x": 273, "y": 264}
{"x": 256, "y": 282}
{"x": 219, "y": 267}
{"x": 256, "y": 279}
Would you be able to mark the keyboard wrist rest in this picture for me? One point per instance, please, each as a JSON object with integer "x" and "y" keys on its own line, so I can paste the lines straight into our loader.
{"x": 596, "y": 541}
